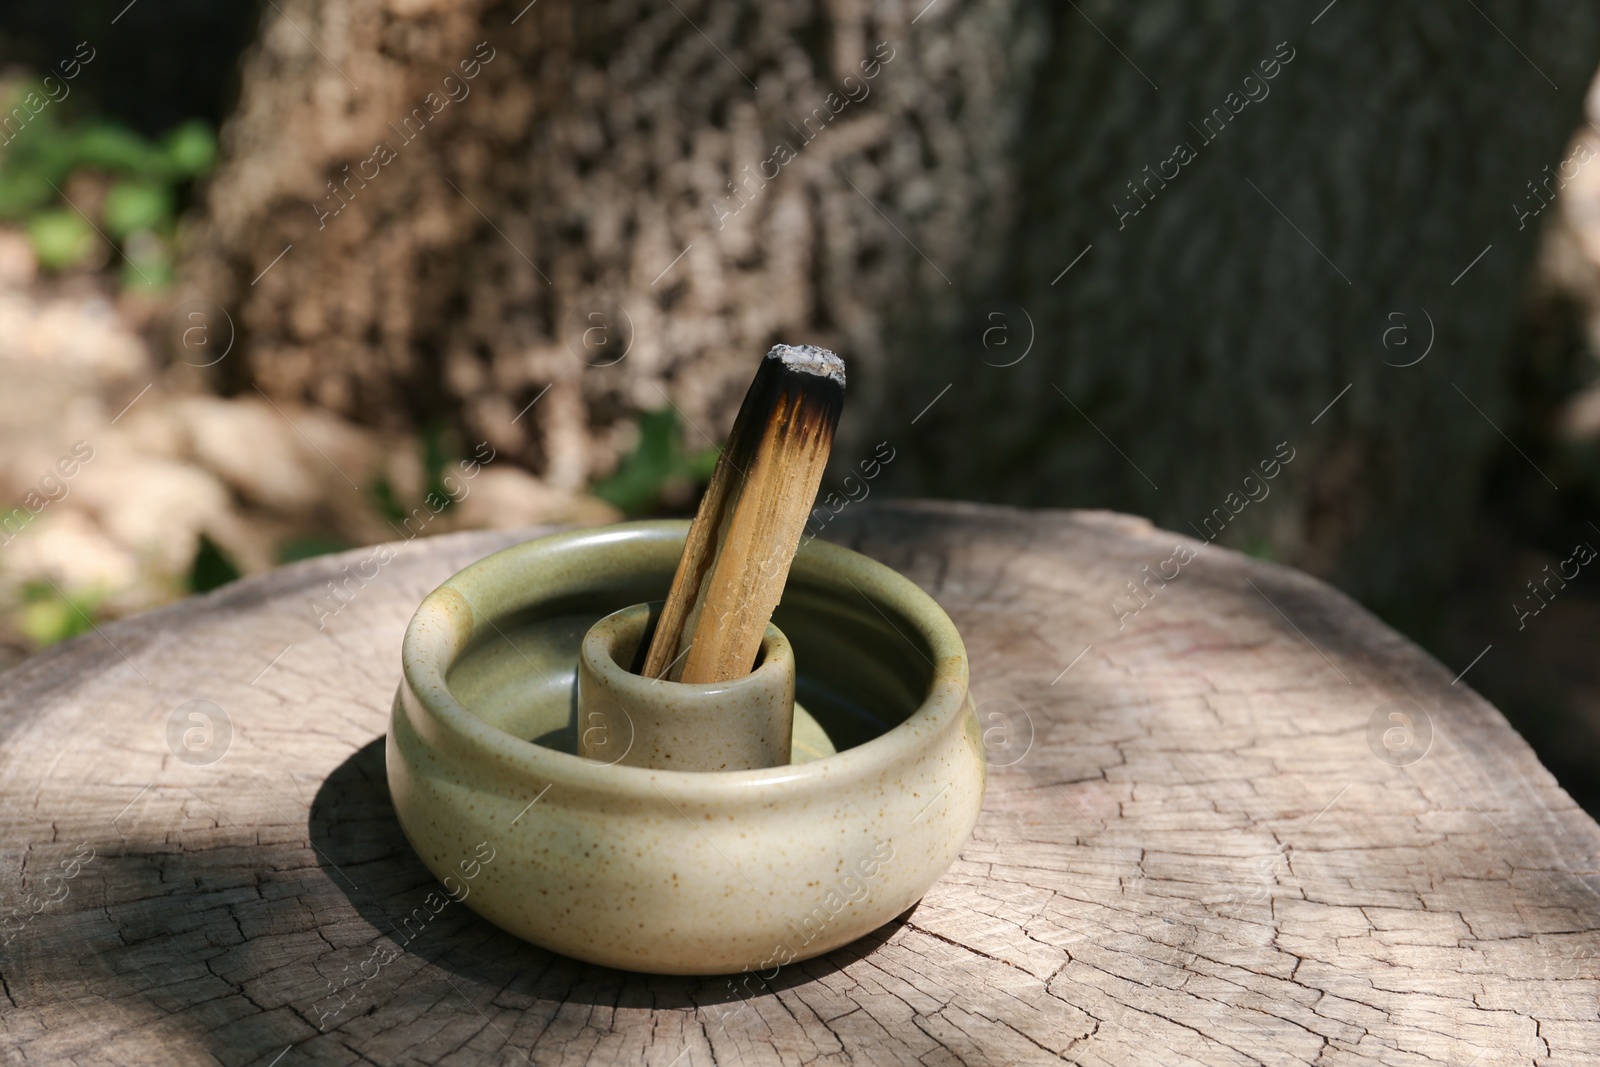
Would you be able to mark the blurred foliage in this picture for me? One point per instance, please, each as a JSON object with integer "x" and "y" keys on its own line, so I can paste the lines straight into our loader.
{"x": 142, "y": 181}
{"x": 1261, "y": 549}
{"x": 48, "y": 616}
{"x": 211, "y": 568}
{"x": 439, "y": 454}
{"x": 660, "y": 476}
{"x": 310, "y": 546}
{"x": 387, "y": 501}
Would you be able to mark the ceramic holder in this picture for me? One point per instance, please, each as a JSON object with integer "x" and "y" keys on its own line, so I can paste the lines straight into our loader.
{"x": 676, "y": 871}
{"x": 647, "y": 722}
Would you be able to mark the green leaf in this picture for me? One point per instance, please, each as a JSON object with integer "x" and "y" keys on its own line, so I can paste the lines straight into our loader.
{"x": 1261, "y": 549}
{"x": 699, "y": 466}
{"x": 387, "y": 500}
{"x": 309, "y": 546}
{"x": 47, "y": 617}
{"x": 23, "y": 120}
{"x": 211, "y": 568}
{"x": 117, "y": 148}
{"x": 656, "y": 468}
{"x": 190, "y": 149}
{"x": 23, "y": 189}
{"x": 136, "y": 205}
{"x": 61, "y": 238}
{"x": 436, "y": 450}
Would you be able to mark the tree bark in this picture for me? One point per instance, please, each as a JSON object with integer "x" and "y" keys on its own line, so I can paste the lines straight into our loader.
{"x": 930, "y": 231}
{"x": 589, "y": 173}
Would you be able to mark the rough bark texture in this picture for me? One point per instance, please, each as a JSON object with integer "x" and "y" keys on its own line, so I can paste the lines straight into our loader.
{"x": 1195, "y": 847}
{"x": 923, "y": 233}
{"x": 599, "y": 143}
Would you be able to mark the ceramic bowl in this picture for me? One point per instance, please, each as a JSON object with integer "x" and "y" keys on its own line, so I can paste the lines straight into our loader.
{"x": 667, "y": 871}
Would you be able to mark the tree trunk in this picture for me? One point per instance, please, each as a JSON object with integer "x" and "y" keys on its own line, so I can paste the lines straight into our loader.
{"x": 1322, "y": 239}
{"x": 550, "y": 206}
{"x": 579, "y": 232}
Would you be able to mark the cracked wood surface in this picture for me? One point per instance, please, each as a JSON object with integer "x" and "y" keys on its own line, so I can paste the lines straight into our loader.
{"x": 1190, "y": 851}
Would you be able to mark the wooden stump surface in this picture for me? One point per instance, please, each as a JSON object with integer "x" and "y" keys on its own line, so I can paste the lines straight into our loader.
{"x": 1206, "y": 839}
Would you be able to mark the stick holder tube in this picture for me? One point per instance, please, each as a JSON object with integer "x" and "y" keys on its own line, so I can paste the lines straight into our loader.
{"x": 648, "y": 722}
{"x": 679, "y": 871}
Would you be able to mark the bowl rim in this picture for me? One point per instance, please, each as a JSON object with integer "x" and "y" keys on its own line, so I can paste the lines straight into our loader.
{"x": 439, "y": 631}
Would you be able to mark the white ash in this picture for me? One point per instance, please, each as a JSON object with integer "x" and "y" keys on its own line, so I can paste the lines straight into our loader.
{"x": 811, "y": 359}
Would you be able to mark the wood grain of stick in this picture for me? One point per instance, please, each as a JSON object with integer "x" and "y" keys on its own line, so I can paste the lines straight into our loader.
{"x": 748, "y": 526}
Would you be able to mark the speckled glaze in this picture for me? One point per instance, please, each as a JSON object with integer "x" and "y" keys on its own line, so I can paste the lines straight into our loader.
{"x": 646, "y": 722}
{"x": 680, "y": 872}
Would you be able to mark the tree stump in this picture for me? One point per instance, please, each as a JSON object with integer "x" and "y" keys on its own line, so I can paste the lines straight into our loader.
{"x": 1232, "y": 820}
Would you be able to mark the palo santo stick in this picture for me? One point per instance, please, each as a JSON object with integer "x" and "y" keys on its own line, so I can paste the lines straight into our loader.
{"x": 748, "y": 527}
